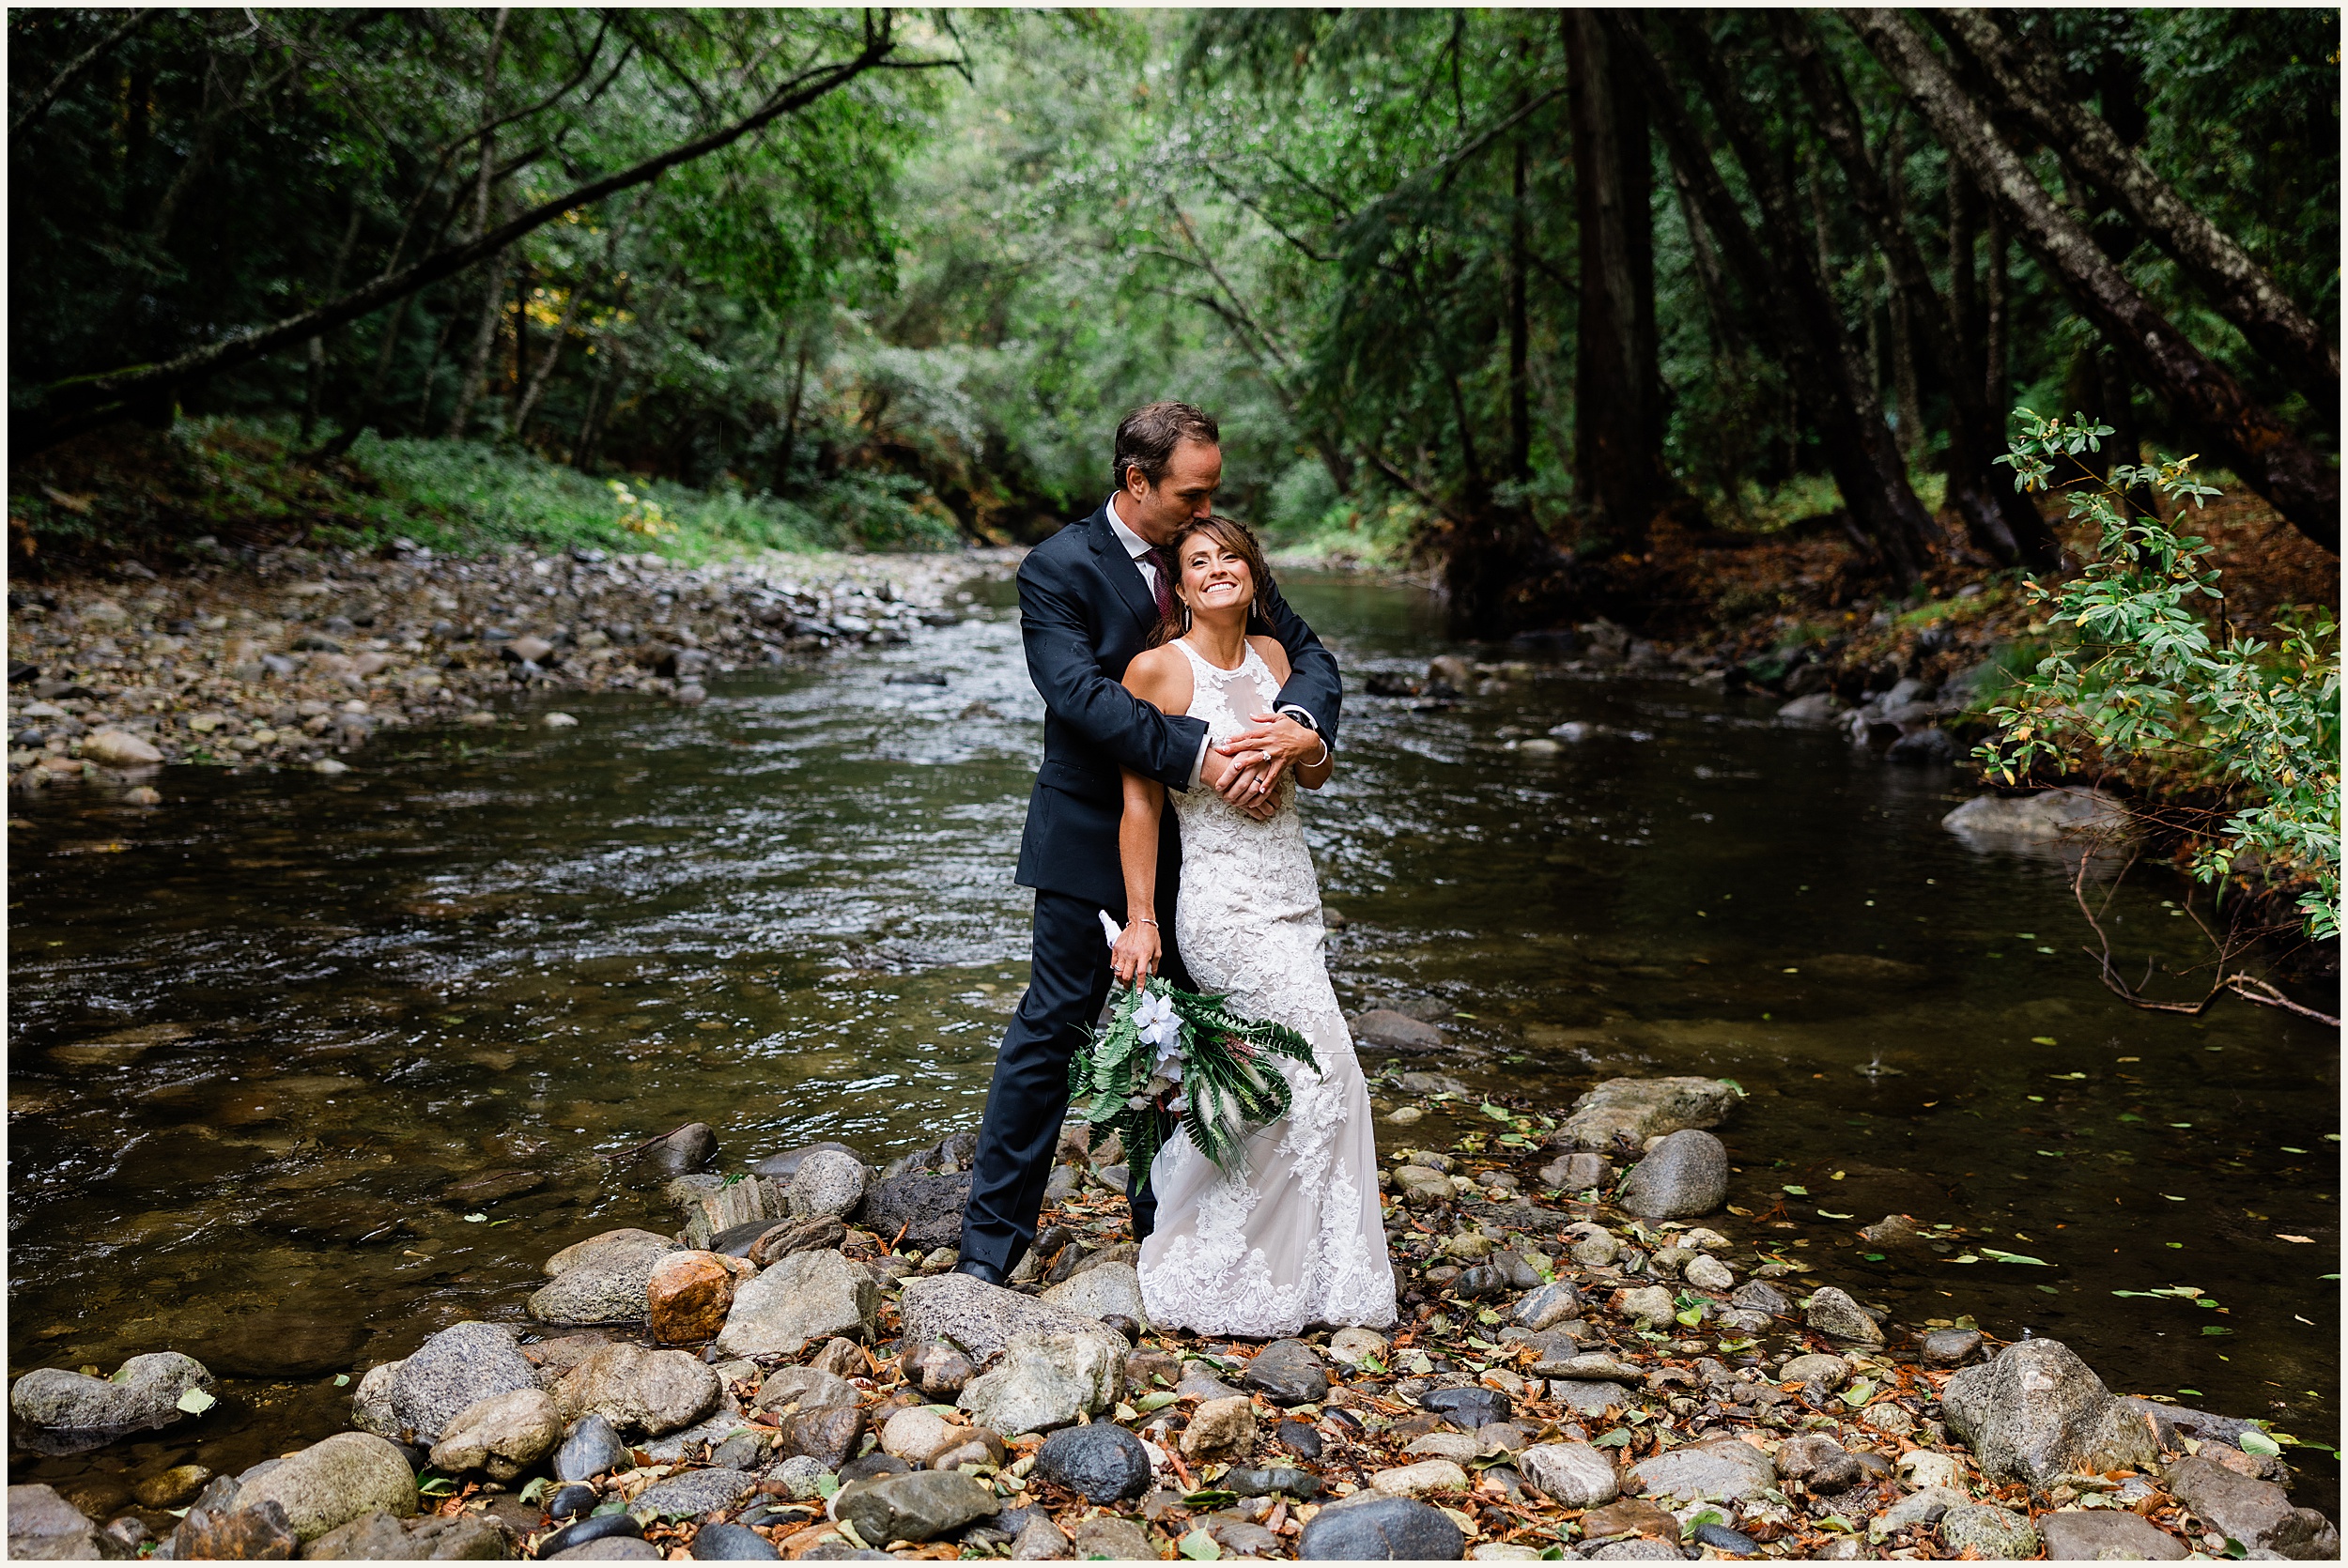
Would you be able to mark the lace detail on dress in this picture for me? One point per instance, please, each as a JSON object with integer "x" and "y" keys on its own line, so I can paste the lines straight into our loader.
{"x": 1296, "y": 1238}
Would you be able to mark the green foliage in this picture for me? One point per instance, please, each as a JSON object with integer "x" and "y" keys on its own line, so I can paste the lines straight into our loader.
{"x": 2141, "y": 673}
{"x": 1227, "y": 1084}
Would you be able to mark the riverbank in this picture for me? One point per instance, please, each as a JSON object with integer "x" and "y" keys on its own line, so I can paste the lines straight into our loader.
{"x": 295, "y": 657}
{"x": 1586, "y": 1366}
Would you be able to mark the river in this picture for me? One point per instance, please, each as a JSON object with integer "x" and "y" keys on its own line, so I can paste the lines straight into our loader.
{"x": 256, "y": 1033}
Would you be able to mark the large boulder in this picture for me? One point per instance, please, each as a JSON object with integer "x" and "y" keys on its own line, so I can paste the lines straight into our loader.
{"x": 1104, "y": 1290}
{"x": 925, "y": 1209}
{"x": 651, "y": 1392}
{"x": 805, "y": 1297}
{"x": 2051, "y": 814}
{"x": 1372, "y": 1526}
{"x": 1833, "y": 1313}
{"x": 1683, "y": 1176}
{"x": 502, "y": 1435}
{"x": 345, "y": 1477}
{"x": 458, "y": 1367}
{"x": 2037, "y": 1413}
{"x": 1103, "y": 1461}
{"x": 921, "y": 1506}
{"x": 688, "y": 1295}
{"x": 1637, "y": 1109}
{"x": 981, "y": 1319}
{"x": 606, "y": 1283}
{"x": 1723, "y": 1470}
{"x": 2256, "y": 1513}
{"x": 145, "y": 1392}
{"x": 44, "y": 1528}
{"x": 1042, "y": 1381}
{"x": 829, "y": 1185}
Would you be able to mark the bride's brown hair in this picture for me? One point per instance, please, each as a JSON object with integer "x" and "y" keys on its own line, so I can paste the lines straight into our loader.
{"x": 1234, "y": 536}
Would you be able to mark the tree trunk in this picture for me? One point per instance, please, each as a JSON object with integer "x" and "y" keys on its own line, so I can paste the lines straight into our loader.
{"x": 1617, "y": 461}
{"x": 1813, "y": 342}
{"x": 1996, "y": 315}
{"x": 2028, "y": 82}
{"x": 791, "y": 416}
{"x": 524, "y": 276}
{"x": 484, "y": 339}
{"x": 2262, "y": 452}
{"x": 1999, "y": 520}
{"x": 1519, "y": 465}
{"x": 314, "y": 351}
{"x": 1904, "y": 387}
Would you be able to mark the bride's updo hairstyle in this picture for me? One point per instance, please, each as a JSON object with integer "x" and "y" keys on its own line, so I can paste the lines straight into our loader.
{"x": 1232, "y": 535}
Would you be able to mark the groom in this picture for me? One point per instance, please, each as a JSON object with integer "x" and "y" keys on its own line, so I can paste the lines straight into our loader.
{"x": 1090, "y": 597}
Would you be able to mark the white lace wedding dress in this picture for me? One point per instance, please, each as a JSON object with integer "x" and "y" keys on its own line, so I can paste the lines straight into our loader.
{"x": 1297, "y": 1238}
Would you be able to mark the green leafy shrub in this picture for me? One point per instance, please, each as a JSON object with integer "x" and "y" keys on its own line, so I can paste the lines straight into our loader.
{"x": 2146, "y": 667}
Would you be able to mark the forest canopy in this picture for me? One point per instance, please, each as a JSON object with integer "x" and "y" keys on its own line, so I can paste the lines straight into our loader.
{"x": 1511, "y": 288}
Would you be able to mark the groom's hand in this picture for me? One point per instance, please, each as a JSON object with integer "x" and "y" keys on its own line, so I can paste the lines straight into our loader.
{"x": 1258, "y": 754}
{"x": 1227, "y": 778}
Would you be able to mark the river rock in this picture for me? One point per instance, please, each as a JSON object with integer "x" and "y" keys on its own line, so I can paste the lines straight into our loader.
{"x": 43, "y": 1526}
{"x": 1833, "y": 1313}
{"x": 823, "y": 1233}
{"x": 260, "y": 1533}
{"x": 502, "y": 1435}
{"x": 921, "y": 1506}
{"x": 1596, "y": 1364}
{"x": 732, "y": 1544}
{"x": 1547, "y": 1306}
{"x": 1650, "y": 1306}
{"x": 1723, "y": 1470}
{"x": 145, "y": 1392}
{"x": 939, "y": 1370}
{"x": 1047, "y": 1380}
{"x": 1469, "y": 1408}
{"x": 1951, "y": 1346}
{"x": 601, "y": 1283}
{"x": 2103, "y": 1534}
{"x": 651, "y": 1391}
{"x": 827, "y": 1185}
{"x": 120, "y": 748}
{"x": 2037, "y": 1413}
{"x": 2050, "y": 814}
{"x": 2256, "y": 1513}
{"x": 1413, "y": 1480}
{"x": 927, "y": 1209}
{"x": 693, "y": 1493}
{"x": 801, "y": 1477}
{"x": 1103, "y": 1461}
{"x": 1586, "y": 1398}
{"x": 1981, "y": 1531}
{"x": 1221, "y": 1429}
{"x": 810, "y": 1387}
{"x": 1039, "y": 1540}
{"x": 782, "y": 1166}
{"x": 1571, "y": 1475}
{"x": 687, "y": 1296}
{"x": 380, "y": 1537}
{"x": 1761, "y": 1296}
{"x": 828, "y": 1434}
{"x": 457, "y": 1368}
{"x": 1422, "y": 1187}
{"x": 589, "y": 1448}
{"x": 1288, "y": 1372}
{"x": 1828, "y": 1372}
{"x": 1369, "y": 1527}
{"x": 1389, "y": 1030}
{"x": 1926, "y": 1507}
{"x": 331, "y": 1483}
{"x": 1706, "y": 1272}
{"x": 1682, "y": 1176}
{"x": 915, "y": 1433}
{"x": 981, "y": 1319}
{"x": 688, "y": 1148}
{"x": 596, "y": 1531}
{"x": 806, "y": 1297}
{"x": 1637, "y": 1109}
{"x": 1353, "y": 1346}
{"x": 1101, "y": 1290}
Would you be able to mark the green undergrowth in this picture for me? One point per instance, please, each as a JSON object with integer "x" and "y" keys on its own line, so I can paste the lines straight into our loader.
{"x": 243, "y": 480}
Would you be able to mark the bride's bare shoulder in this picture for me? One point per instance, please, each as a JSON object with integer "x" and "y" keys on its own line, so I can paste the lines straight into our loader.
{"x": 1160, "y": 676}
{"x": 1274, "y": 656}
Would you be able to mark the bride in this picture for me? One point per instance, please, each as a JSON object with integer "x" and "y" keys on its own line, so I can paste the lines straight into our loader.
{"x": 1294, "y": 1235}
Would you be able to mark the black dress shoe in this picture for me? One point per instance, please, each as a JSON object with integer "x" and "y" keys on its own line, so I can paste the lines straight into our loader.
{"x": 981, "y": 1270}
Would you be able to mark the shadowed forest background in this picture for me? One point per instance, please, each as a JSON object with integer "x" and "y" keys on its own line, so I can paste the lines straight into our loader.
{"x": 1555, "y": 302}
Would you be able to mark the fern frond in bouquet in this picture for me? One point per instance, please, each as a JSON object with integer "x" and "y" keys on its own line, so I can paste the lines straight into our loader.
{"x": 1170, "y": 1056}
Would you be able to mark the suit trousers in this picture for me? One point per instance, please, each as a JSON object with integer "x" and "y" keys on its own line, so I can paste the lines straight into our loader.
{"x": 1068, "y": 984}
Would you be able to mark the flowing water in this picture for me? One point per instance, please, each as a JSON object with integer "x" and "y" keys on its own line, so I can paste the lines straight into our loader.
{"x": 258, "y": 1034}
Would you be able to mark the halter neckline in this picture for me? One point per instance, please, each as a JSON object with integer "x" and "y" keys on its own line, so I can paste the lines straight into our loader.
{"x": 1251, "y": 657}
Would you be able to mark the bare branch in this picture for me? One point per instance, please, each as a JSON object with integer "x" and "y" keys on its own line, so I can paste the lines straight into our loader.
{"x": 74, "y": 67}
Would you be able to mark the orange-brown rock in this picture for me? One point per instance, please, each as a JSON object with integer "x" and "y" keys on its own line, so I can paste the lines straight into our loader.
{"x": 687, "y": 1297}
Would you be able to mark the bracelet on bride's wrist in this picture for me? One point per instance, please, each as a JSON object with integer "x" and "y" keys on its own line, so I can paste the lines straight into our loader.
{"x": 1141, "y": 920}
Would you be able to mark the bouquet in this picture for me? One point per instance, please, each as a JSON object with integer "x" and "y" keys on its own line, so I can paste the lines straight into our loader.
{"x": 1169, "y": 1054}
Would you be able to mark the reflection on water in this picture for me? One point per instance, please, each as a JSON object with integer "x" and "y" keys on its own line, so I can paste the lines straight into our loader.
{"x": 303, "y": 1070}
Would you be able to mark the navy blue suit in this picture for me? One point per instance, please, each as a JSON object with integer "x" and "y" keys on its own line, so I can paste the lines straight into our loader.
{"x": 1085, "y": 611}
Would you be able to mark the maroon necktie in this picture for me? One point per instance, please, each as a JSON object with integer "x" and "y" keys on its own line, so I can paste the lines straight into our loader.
{"x": 1161, "y": 581}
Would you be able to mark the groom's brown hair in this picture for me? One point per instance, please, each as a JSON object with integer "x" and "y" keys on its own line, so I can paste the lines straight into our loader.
{"x": 1145, "y": 439}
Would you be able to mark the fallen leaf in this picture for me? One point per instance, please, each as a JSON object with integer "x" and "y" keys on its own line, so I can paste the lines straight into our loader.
{"x": 2303, "y": 1241}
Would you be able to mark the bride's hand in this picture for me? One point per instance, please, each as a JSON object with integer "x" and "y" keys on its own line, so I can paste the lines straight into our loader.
{"x": 1134, "y": 957}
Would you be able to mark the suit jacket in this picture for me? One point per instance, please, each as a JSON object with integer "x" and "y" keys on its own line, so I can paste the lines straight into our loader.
{"x": 1084, "y": 613}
